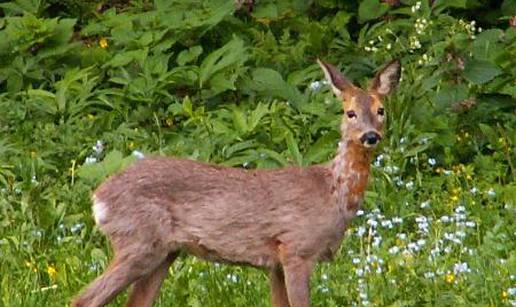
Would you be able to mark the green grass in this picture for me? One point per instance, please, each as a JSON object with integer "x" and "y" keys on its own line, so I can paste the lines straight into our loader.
{"x": 199, "y": 80}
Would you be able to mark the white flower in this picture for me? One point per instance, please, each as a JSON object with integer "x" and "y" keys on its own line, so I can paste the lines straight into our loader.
{"x": 425, "y": 204}
{"x": 138, "y": 154}
{"x": 491, "y": 192}
{"x": 397, "y": 220}
{"x": 409, "y": 185}
{"x": 360, "y": 212}
{"x": 90, "y": 160}
{"x": 99, "y": 147}
{"x": 460, "y": 209}
{"x": 361, "y": 231}
{"x": 388, "y": 46}
{"x": 315, "y": 86}
{"x": 394, "y": 250}
{"x": 470, "y": 224}
{"x": 473, "y": 190}
{"x": 459, "y": 268}
{"x": 371, "y": 222}
{"x": 356, "y": 260}
{"x": 429, "y": 275}
{"x": 432, "y": 161}
{"x": 359, "y": 272}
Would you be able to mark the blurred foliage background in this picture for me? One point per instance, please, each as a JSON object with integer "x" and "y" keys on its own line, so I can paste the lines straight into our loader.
{"x": 87, "y": 86}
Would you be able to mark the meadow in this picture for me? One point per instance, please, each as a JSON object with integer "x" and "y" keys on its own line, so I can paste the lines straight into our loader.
{"x": 87, "y": 87}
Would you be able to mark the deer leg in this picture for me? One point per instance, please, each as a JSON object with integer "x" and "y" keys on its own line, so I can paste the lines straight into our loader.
{"x": 279, "y": 296}
{"x": 297, "y": 280}
{"x": 123, "y": 270}
{"x": 146, "y": 288}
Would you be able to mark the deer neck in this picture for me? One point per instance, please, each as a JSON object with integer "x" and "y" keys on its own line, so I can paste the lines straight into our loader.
{"x": 350, "y": 172}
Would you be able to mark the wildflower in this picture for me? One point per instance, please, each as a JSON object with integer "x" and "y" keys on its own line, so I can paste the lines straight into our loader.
{"x": 459, "y": 268}
{"x": 388, "y": 46}
{"x": 397, "y": 220}
{"x": 394, "y": 250}
{"x": 425, "y": 204}
{"x": 491, "y": 192}
{"x": 361, "y": 231}
{"x": 511, "y": 291}
{"x": 76, "y": 227}
{"x": 360, "y": 212}
{"x": 450, "y": 278}
{"x": 90, "y": 160}
{"x": 470, "y": 224}
{"x": 138, "y": 154}
{"x": 416, "y": 7}
{"x": 432, "y": 161}
{"x": 52, "y": 272}
{"x": 429, "y": 275}
{"x": 99, "y": 147}
{"x": 103, "y": 43}
{"x": 359, "y": 272}
{"x": 409, "y": 185}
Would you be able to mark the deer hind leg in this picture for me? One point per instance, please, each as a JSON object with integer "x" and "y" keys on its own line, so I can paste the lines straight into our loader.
{"x": 297, "y": 280}
{"x": 146, "y": 288}
{"x": 279, "y": 296}
{"x": 128, "y": 265}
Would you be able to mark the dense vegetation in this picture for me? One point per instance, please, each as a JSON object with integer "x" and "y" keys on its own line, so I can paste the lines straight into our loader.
{"x": 86, "y": 86}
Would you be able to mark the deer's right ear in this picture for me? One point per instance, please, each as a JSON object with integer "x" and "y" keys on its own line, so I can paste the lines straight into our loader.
{"x": 339, "y": 84}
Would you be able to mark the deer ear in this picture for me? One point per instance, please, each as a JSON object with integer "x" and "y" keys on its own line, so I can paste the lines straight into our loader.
{"x": 339, "y": 84}
{"x": 386, "y": 79}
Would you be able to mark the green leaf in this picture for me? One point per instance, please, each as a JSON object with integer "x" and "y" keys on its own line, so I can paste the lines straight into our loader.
{"x": 480, "y": 71}
{"x": 269, "y": 82}
{"x": 124, "y": 58}
{"x": 293, "y": 148}
{"x": 371, "y": 9}
{"x": 233, "y": 53}
{"x": 112, "y": 163}
{"x": 449, "y": 94}
{"x": 187, "y": 56}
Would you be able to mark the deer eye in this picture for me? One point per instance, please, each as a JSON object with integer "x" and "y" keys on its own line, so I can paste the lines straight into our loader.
{"x": 351, "y": 114}
{"x": 381, "y": 111}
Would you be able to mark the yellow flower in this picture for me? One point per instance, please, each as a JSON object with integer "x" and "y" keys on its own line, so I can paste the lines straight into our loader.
{"x": 505, "y": 295}
{"x": 52, "y": 272}
{"x": 131, "y": 145}
{"x": 103, "y": 43}
{"x": 31, "y": 266}
{"x": 450, "y": 278}
{"x": 454, "y": 198}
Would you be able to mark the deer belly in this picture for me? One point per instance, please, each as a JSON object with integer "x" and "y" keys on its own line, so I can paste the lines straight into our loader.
{"x": 257, "y": 254}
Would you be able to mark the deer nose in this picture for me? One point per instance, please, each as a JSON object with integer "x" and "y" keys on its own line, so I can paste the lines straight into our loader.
{"x": 370, "y": 138}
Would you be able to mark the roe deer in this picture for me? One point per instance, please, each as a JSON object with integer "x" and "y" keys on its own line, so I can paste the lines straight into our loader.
{"x": 282, "y": 220}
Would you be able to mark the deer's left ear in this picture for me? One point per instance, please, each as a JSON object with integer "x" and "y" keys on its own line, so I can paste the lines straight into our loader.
{"x": 386, "y": 79}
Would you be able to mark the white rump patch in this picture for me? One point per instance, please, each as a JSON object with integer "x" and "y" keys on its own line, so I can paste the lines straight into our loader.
{"x": 99, "y": 211}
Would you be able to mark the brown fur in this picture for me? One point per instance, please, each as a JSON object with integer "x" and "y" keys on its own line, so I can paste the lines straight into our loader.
{"x": 283, "y": 220}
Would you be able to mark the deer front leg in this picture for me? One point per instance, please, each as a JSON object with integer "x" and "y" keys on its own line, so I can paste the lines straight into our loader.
{"x": 297, "y": 279}
{"x": 279, "y": 296}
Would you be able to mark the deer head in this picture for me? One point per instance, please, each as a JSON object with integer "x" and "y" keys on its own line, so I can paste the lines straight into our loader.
{"x": 364, "y": 112}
